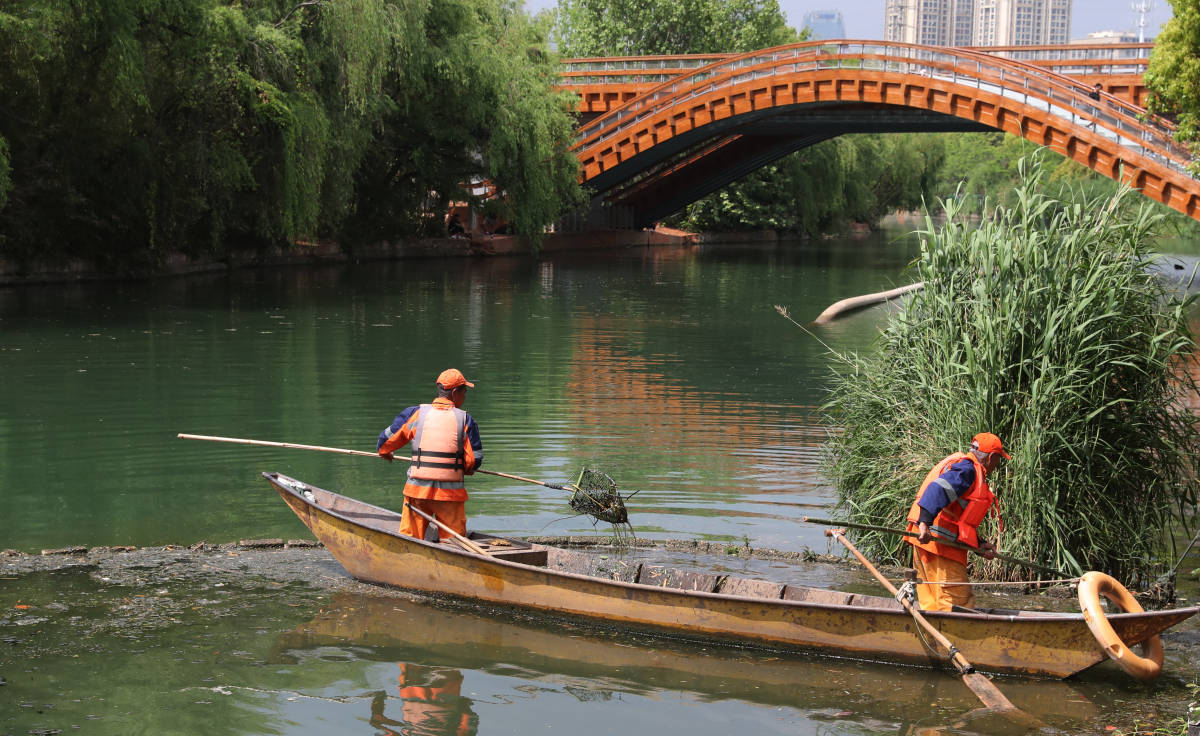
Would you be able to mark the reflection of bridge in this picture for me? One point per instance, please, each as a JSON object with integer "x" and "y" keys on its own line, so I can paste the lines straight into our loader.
{"x": 673, "y": 129}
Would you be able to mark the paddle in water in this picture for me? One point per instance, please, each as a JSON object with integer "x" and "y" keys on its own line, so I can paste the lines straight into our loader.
{"x": 983, "y": 688}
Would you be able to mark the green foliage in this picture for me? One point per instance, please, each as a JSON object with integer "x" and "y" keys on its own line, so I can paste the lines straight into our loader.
{"x": 137, "y": 126}
{"x": 1043, "y": 325}
{"x": 5, "y": 177}
{"x": 587, "y": 28}
{"x": 820, "y": 189}
{"x": 1175, "y": 67}
{"x": 983, "y": 168}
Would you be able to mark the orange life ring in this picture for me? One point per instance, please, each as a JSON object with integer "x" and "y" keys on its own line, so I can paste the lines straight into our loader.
{"x": 1091, "y": 586}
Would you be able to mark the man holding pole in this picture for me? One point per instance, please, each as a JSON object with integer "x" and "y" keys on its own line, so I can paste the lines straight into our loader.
{"x": 445, "y": 448}
{"x": 953, "y": 500}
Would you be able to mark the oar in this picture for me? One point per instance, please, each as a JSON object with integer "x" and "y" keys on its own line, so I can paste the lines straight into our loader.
{"x": 948, "y": 543}
{"x": 433, "y": 520}
{"x": 360, "y": 453}
{"x": 980, "y": 685}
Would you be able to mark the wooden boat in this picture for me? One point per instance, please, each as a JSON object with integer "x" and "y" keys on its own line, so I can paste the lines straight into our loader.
{"x": 726, "y": 609}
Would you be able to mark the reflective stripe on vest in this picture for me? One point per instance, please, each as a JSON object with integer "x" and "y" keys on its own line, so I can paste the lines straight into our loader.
{"x": 956, "y": 522}
{"x": 438, "y": 452}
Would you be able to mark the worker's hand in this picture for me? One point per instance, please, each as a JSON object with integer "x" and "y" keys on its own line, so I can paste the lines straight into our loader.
{"x": 923, "y": 534}
{"x": 988, "y": 550}
{"x": 389, "y": 456}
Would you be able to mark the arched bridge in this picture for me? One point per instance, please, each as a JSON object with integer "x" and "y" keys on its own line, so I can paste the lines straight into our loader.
{"x": 707, "y": 126}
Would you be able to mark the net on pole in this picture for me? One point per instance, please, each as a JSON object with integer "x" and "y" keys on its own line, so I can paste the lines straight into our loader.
{"x": 596, "y": 494}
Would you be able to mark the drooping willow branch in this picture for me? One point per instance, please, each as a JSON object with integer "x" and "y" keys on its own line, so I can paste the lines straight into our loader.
{"x": 293, "y": 10}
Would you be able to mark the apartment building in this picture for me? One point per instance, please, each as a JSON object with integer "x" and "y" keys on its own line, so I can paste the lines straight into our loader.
{"x": 978, "y": 22}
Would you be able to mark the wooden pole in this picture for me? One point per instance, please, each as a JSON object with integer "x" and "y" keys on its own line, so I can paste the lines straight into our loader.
{"x": 359, "y": 453}
{"x": 959, "y": 545}
{"x": 433, "y": 520}
{"x": 980, "y": 685}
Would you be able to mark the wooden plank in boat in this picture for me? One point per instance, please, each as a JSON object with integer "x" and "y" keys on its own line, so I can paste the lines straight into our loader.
{"x": 665, "y": 577}
{"x": 593, "y": 566}
{"x": 815, "y": 595}
{"x": 751, "y": 588}
{"x": 513, "y": 550}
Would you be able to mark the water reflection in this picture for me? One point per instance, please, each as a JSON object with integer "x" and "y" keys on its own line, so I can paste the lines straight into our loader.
{"x": 667, "y": 368}
{"x": 433, "y": 704}
{"x": 437, "y": 647}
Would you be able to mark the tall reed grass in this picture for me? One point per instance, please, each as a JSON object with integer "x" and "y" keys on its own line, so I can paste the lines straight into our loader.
{"x": 1044, "y": 325}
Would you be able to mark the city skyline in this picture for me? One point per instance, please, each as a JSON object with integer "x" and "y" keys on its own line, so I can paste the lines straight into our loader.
{"x": 864, "y": 18}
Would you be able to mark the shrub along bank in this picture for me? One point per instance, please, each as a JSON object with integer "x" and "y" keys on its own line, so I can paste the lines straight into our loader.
{"x": 1044, "y": 325}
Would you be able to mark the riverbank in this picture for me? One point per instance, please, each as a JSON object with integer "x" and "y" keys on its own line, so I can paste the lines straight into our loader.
{"x": 312, "y": 252}
{"x": 324, "y": 252}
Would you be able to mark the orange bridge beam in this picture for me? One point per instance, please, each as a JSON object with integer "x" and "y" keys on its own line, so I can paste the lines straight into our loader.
{"x": 660, "y": 138}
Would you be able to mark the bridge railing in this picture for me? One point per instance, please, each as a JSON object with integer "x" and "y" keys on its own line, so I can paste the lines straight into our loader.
{"x": 1081, "y": 59}
{"x": 1018, "y": 81}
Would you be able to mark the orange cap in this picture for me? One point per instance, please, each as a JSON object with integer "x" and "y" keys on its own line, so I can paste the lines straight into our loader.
{"x": 988, "y": 442}
{"x": 453, "y": 378}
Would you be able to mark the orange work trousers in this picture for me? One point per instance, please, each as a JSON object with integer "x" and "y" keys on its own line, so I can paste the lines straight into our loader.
{"x": 451, "y": 513}
{"x": 937, "y": 593}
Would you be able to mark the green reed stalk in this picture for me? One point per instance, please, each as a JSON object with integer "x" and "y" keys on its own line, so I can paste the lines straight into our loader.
{"x": 1044, "y": 325}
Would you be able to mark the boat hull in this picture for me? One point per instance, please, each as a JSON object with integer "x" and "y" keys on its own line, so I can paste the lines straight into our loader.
{"x": 366, "y": 541}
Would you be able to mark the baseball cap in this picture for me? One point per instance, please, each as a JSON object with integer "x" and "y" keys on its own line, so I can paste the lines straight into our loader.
{"x": 988, "y": 442}
{"x": 453, "y": 378}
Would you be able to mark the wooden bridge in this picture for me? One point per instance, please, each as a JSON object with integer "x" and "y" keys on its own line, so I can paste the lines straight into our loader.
{"x": 661, "y": 132}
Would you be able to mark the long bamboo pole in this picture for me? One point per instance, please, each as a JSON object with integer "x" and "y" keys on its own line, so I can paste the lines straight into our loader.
{"x": 959, "y": 545}
{"x": 359, "y": 453}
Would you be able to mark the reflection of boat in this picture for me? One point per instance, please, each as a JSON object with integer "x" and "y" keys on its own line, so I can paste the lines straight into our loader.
{"x": 386, "y": 629}
{"x": 366, "y": 541}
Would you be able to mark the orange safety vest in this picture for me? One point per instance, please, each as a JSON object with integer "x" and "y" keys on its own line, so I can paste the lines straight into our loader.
{"x": 438, "y": 444}
{"x": 959, "y": 520}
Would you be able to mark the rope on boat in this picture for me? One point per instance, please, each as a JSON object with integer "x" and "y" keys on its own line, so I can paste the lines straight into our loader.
{"x": 998, "y": 583}
{"x": 908, "y": 590}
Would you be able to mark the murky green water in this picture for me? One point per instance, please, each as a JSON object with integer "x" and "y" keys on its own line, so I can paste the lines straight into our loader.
{"x": 668, "y": 368}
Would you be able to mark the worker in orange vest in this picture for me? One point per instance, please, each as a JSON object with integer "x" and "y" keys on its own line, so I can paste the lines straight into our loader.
{"x": 953, "y": 501}
{"x": 445, "y": 448}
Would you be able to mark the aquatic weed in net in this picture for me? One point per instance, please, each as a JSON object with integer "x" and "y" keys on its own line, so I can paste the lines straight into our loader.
{"x": 597, "y": 496}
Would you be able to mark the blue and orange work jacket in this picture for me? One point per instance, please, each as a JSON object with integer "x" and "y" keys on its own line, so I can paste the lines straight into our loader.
{"x": 446, "y": 448}
{"x": 959, "y": 499}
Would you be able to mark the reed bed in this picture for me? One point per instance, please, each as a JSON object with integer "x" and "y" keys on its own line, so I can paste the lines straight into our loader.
{"x": 1044, "y": 325}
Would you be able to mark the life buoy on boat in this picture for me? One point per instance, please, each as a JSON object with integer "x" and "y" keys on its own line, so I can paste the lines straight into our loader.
{"x": 1091, "y": 586}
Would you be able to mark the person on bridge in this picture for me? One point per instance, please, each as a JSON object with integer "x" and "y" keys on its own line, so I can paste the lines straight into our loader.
{"x": 446, "y": 448}
{"x": 954, "y": 498}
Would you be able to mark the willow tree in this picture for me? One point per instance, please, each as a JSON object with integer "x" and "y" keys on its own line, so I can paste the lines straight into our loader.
{"x": 642, "y": 27}
{"x": 474, "y": 101}
{"x": 822, "y": 188}
{"x": 134, "y": 127}
{"x": 1047, "y": 325}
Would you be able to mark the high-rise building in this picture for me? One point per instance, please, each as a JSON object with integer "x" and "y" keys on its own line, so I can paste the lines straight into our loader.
{"x": 1021, "y": 22}
{"x": 823, "y": 24}
{"x": 977, "y": 22}
{"x": 929, "y": 22}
